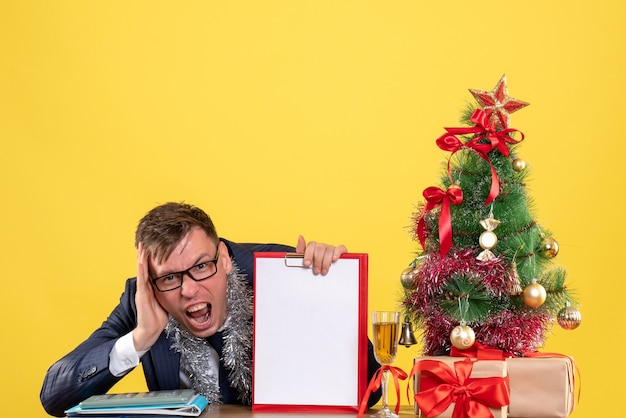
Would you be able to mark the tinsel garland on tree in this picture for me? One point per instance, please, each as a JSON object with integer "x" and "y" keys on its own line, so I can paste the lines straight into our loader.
{"x": 486, "y": 263}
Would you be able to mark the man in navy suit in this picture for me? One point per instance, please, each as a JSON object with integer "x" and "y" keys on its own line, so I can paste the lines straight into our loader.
{"x": 187, "y": 316}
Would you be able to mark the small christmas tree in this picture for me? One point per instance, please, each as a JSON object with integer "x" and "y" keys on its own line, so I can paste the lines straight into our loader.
{"x": 486, "y": 271}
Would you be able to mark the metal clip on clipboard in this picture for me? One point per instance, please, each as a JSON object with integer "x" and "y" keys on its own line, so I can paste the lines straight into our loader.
{"x": 294, "y": 260}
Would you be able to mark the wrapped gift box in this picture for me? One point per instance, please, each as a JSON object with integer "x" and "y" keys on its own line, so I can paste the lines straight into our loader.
{"x": 423, "y": 381}
{"x": 541, "y": 386}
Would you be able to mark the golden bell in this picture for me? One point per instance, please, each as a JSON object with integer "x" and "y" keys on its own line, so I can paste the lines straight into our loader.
{"x": 407, "y": 338}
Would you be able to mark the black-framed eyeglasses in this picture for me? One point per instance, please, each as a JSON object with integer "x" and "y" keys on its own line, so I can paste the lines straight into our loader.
{"x": 198, "y": 273}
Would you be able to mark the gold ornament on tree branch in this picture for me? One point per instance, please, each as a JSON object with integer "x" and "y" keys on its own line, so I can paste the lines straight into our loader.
{"x": 407, "y": 278}
{"x": 549, "y": 247}
{"x": 569, "y": 317}
{"x": 518, "y": 164}
{"x": 534, "y": 294}
{"x": 463, "y": 336}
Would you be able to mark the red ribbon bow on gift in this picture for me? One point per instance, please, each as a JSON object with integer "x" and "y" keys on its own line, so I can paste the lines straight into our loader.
{"x": 472, "y": 397}
{"x": 434, "y": 197}
{"x": 482, "y": 129}
{"x": 377, "y": 380}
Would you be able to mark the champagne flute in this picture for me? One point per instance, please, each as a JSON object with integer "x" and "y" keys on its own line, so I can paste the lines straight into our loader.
{"x": 385, "y": 326}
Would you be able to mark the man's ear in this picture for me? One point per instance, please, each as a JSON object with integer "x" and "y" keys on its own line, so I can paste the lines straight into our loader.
{"x": 225, "y": 261}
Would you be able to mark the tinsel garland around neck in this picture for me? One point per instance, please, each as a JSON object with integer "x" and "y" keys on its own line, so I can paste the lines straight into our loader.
{"x": 237, "y": 351}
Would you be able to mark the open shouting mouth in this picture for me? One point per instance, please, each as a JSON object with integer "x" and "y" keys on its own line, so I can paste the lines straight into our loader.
{"x": 199, "y": 314}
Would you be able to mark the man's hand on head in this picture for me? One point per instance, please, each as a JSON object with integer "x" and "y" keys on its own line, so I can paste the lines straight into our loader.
{"x": 151, "y": 317}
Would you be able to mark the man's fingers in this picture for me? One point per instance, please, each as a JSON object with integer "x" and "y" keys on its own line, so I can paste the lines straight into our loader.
{"x": 339, "y": 250}
{"x": 319, "y": 256}
{"x": 301, "y": 246}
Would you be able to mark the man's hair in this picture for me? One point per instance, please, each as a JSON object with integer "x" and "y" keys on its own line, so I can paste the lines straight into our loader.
{"x": 161, "y": 229}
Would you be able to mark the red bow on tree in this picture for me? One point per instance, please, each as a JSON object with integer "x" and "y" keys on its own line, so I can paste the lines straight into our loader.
{"x": 434, "y": 197}
{"x": 482, "y": 129}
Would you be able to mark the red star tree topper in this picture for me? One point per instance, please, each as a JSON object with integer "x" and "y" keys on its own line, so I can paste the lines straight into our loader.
{"x": 497, "y": 103}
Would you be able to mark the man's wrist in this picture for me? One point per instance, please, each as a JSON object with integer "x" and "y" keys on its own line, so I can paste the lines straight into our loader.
{"x": 124, "y": 357}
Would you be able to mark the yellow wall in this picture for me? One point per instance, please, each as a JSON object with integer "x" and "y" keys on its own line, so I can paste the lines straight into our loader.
{"x": 288, "y": 117}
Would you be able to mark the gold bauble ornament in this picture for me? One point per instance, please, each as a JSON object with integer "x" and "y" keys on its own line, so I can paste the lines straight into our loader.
{"x": 462, "y": 336}
{"x": 534, "y": 294}
{"x": 569, "y": 317}
{"x": 518, "y": 164}
{"x": 407, "y": 278}
{"x": 549, "y": 247}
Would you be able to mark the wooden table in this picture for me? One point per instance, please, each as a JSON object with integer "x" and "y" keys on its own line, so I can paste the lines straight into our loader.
{"x": 240, "y": 411}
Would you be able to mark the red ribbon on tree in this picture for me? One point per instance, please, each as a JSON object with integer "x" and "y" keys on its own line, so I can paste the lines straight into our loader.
{"x": 482, "y": 129}
{"x": 472, "y": 397}
{"x": 434, "y": 197}
{"x": 449, "y": 142}
{"x": 377, "y": 380}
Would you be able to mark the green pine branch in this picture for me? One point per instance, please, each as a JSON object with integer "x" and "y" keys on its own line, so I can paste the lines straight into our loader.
{"x": 465, "y": 298}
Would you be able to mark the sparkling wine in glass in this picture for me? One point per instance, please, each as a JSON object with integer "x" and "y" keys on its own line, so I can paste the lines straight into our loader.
{"x": 385, "y": 325}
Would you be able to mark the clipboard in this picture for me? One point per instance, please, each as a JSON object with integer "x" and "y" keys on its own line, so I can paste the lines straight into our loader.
{"x": 310, "y": 334}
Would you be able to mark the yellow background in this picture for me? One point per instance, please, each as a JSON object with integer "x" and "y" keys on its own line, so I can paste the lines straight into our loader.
{"x": 289, "y": 117}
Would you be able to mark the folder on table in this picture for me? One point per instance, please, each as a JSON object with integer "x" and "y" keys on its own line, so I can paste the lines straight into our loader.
{"x": 179, "y": 402}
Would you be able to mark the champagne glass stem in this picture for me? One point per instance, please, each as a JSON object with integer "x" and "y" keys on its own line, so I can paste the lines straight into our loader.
{"x": 385, "y": 385}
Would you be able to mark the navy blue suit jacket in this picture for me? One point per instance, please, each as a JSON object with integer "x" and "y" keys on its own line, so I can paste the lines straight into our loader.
{"x": 85, "y": 370}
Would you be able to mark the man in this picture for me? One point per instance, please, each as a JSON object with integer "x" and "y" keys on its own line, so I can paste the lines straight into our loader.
{"x": 187, "y": 316}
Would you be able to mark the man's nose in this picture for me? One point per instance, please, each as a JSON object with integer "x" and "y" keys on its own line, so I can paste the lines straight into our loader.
{"x": 189, "y": 286}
